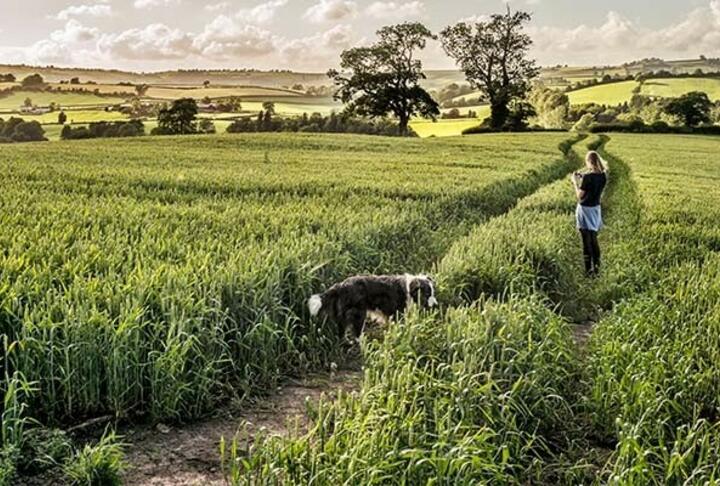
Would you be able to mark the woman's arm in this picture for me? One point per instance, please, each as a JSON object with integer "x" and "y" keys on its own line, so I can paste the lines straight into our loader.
{"x": 576, "y": 178}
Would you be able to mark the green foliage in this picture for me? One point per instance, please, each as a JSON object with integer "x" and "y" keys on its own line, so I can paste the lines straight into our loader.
{"x": 33, "y": 81}
{"x": 178, "y": 119}
{"x": 97, "y": 465}
{"x": 8, "y": 458}
{"x": 132, "y": 128}
{"x": 385, "y": 77}
{"x": 494, "y": 57}
{"x": 694, "y": 108}
{"x": 206, "y": 126}
{"x": 317, "y": 123}
{"x": 18, "y": 130}
{"x": 584, "y": 124}
{"x": 44, "y": 449}
{"x": 551, "y": 107}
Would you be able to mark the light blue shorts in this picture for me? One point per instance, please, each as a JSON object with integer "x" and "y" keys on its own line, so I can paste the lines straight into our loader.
{"x": 588, "y": 218}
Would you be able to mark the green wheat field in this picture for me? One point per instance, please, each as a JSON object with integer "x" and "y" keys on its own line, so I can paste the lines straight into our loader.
{"x": 162, "y": 276}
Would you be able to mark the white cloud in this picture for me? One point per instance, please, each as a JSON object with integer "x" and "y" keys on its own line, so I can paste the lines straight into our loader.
{"x": 397, "y": 10}
{"x": 261, "y": 14}
{"x": 100, "y": 9}
{"x": 315, "y": 51}
{"x": 474, "y": 19}
{"x": 75, "y": 33}
{"x": 216, "y": 7}
{"x": 154, "y": 3}
{"x": 225, "y": 38}
{"x": 73, "y": 41}
{"x": 618, "y": 39}
{"x": 331, "y": 11}
{"x": 154, "y": 42}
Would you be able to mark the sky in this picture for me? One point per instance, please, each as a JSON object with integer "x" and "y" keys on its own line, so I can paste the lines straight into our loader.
{"x": 308, "y": 35}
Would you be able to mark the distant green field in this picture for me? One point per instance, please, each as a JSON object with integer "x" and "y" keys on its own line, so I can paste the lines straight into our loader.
{"x": 607, "y": 94}
{"x": 450, "y": 128}
{"x": 290, "y": 108}
{"x": 618, "y": 93}
{"x": 442, "y": 128}
{"x": 674, "y": 87}
{"x": 175, "y": 92}
{"x": 16, "y": 99}
{"x": 77, "y": 116}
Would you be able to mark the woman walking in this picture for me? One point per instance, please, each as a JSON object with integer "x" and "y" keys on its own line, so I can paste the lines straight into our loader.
{"x": 589, "y": 188}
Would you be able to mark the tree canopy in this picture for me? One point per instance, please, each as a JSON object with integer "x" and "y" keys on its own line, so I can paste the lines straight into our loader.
{"x": 494, "y": 58}
{"x": 384, "y": 78}
{"x": 694, "y": 108}
{"x": 179, "y": 119}
{"x": 33, "y": 81}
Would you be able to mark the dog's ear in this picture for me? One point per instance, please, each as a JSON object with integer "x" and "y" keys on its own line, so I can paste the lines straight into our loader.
{"x": 415, "y": 288}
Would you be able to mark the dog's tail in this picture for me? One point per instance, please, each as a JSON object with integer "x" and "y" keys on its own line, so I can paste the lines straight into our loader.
{"x": 315, "y": 303}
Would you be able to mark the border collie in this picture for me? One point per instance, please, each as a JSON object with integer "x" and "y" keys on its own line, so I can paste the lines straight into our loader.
{"x": 351, "y": 302}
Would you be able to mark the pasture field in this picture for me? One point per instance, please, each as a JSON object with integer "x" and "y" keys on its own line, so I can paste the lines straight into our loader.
{"x": 158, "y": 276}
{"x": 77, "y": 116}
{"x": 672, "y": 88}
{"x": 15, "y": 100}
{"x": 607, "y": 94}
{"x": 443, "y": 128}
{"x": 617, "y": 93}
{"x": 214, "y": 92}
{"x": 295, "y": 106}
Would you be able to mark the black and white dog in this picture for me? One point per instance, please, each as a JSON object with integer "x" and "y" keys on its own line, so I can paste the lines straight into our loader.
{"x": 351, "y": 302}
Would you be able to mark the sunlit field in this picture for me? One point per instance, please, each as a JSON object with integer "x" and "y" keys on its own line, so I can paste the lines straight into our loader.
{"x": 227, "y": 236}
{"x": 272, "y": 243}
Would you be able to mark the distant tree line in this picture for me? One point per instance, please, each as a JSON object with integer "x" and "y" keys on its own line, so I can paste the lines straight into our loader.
{"x": 266, "y": 121}
{"x": 132, "y": 128}
{"x": 16, "y": 130}
{"x": 454, "y": 114}
{"x": 180, "y": 118}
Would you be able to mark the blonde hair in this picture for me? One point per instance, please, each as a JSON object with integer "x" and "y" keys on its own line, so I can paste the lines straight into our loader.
{"x": 598, "y": 164}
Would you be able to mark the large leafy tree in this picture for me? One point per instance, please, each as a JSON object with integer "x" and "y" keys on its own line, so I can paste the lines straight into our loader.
{"x": 179, "y": 119}
{"x": 694, "y": 108}
{"x": 494, "y": 57}
{"x": 384, "y": 78}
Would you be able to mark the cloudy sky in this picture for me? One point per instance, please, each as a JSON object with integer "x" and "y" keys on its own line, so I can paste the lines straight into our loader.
{"x": 146, "y": 35}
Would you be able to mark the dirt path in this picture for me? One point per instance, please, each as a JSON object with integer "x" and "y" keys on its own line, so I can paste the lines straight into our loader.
{"x": 189, "y": 455}
{"x": 582, "y": 332}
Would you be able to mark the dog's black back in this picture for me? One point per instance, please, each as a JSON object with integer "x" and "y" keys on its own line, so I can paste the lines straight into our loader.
{"x": 348, "y": 303}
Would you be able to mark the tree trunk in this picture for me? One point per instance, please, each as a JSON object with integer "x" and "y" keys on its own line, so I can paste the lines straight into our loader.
{"x": 499, "y": 111}
{"x": 403, "y": 123}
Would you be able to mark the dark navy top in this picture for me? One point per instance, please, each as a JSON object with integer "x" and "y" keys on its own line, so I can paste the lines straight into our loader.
{"x": 593, "y": 185}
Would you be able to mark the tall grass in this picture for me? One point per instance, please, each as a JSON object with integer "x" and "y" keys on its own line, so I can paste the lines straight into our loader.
{"x": 533, "y": 248}
{"x": 479, "y": 395}
{"x": 159, "y": 277}
{"x": 652, "y": 362}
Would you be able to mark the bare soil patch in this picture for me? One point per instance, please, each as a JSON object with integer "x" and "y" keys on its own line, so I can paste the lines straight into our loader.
{"x": 189, "y": 455}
